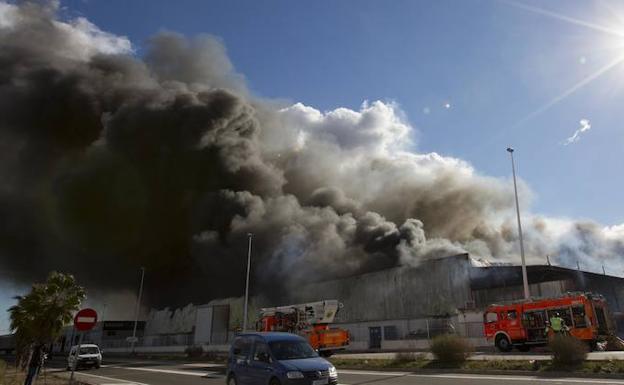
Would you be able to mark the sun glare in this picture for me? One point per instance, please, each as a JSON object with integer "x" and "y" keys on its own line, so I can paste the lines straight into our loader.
{"x": 609, "y": 48}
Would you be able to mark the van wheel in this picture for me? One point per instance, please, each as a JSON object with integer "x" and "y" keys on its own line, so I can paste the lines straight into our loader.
{"x": 274, "y": 381}
{"x": 232, "y": 380}
{"x": 503, "y": 344}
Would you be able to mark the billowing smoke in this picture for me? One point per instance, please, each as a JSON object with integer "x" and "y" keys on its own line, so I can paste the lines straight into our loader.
{"x": 110, "y": 162}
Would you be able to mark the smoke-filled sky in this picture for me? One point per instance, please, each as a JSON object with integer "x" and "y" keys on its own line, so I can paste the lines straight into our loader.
{"x": 119, "y": 152}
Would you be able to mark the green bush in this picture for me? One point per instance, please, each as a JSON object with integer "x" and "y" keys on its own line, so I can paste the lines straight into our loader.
{"x": 450, "y": 349}
{"x": 567, "y": 352}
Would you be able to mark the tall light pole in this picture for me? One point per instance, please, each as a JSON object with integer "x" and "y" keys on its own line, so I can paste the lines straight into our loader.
{"x": 249, "y": 236}
{"x": 525, "y": 281}
{"x": 136, "y": 310}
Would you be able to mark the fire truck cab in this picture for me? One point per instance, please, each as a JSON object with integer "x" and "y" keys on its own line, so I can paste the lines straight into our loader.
{"x": 524, "y": 324}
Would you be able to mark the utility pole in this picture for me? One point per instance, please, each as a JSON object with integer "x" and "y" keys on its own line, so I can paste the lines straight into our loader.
{"x": 525, "y": 280}
{"x": 136, "y": 311}
{"x": 249, "y": 236}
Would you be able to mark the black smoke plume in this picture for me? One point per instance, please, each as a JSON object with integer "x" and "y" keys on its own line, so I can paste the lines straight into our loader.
{"x": 110, "y": 161}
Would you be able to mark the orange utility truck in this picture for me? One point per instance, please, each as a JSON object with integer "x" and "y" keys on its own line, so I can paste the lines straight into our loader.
{"x": 310, "y": 320}
{"x": 523, "y": 324}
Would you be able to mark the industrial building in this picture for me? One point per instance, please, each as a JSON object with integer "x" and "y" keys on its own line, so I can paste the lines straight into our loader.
{"x": 397, "y": 308}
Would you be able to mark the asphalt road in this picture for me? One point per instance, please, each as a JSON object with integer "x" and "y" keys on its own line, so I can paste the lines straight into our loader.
{"x": 176, "y": 373}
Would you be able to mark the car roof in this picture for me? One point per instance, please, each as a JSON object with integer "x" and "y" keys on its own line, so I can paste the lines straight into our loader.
{"x": 273, "y": 336}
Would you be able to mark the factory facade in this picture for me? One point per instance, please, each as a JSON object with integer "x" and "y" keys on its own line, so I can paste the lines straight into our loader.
{"x": 397, "y": 308}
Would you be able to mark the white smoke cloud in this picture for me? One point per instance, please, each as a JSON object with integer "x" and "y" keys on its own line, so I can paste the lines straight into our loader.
{"x": 585, "y": 125}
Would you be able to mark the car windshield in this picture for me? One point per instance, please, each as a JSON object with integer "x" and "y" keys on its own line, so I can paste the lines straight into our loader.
{"x": 291, "y": 350}
{"x": 89, "y": 350}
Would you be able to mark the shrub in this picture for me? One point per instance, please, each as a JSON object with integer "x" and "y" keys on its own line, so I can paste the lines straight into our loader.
{"x": 194, "y": 351}
{"x": 450, "y": 349}
{"x": 567, "y": 352}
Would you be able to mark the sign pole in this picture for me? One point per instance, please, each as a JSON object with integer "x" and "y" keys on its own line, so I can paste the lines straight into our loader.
{"x": 75, "y": 365}
{"x": 84, "y": 321}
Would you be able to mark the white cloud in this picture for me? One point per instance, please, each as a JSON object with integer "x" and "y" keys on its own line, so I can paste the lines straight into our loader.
{"x": 585, "y": 125}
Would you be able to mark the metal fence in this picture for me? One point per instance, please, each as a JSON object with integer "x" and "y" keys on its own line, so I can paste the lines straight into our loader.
{"x": 151, "y": 341}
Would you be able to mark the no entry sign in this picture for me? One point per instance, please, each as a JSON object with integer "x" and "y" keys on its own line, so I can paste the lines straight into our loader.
{"x": 85, "y": 320}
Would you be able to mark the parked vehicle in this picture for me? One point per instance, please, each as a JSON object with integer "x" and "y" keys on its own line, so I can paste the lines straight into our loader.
{"x": 89, "y": 356}
{"x": 7, "y": 344}
{"x": 310, "y": 320}
{"x": 524, "y": 324}
{"x": 276, "y": 358}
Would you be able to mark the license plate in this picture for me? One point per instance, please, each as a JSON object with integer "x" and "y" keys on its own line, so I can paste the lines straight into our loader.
{"x": 323, "y": 381}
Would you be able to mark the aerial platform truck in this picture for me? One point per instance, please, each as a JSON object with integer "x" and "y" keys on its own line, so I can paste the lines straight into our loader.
{"x": 310, "y": 320}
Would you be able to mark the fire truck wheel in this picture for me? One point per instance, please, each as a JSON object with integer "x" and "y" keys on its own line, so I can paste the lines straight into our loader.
{"x": 503, "y": 344}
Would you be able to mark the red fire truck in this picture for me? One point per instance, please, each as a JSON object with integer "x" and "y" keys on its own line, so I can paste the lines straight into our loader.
{"x": 310, "y": 320}
{"x": 524, "y": 324}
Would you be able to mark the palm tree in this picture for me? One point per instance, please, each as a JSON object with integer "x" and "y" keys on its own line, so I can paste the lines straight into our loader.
{"x": 39, "y": 316}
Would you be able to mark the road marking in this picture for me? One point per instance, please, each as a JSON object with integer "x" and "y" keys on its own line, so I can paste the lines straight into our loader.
{"x": 204, "y": 365}
{"x": 124, "y": 382}
{"x": 168, "y": 371}
{"x": 485, "y": 377}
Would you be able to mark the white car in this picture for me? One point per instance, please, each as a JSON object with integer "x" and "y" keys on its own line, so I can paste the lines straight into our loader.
{"x": 89, "y": 356}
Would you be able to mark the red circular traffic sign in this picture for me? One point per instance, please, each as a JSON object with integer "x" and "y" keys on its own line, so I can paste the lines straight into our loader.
{"x": 85, "y": 320}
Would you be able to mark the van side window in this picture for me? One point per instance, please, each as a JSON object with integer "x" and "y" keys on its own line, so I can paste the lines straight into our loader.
{"x": 241, "y": 348}
{"x": 261, "y": 352}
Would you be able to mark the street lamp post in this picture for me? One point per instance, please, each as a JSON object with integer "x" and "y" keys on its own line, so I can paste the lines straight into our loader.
{"x": 136, "y": 311}
{"x": 525, "y": 281}
{"x": 249, "y": 236}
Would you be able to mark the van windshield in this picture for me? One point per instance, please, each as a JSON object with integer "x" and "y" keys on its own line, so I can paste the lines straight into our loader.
{"x": 291, "y": 350}
{"x": 89, "y": 350}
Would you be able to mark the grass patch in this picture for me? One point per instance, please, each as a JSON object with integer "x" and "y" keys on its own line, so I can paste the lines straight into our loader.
{"x": 415, "y": 362}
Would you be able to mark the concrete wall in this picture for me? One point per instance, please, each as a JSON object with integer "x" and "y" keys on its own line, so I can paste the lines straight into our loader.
{"x": 436, "y": 287}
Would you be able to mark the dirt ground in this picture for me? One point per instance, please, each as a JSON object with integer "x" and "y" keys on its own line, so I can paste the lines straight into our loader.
{"x": 10, "y": 376}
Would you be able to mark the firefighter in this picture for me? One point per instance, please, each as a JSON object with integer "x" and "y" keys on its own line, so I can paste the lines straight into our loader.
{"x": 557, "y": 324}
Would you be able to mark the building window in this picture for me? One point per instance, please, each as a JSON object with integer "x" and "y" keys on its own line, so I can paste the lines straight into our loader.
{"x": 391, "y": 333}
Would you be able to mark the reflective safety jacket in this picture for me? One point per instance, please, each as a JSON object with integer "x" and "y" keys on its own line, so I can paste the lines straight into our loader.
{"x": 556, "y": 323}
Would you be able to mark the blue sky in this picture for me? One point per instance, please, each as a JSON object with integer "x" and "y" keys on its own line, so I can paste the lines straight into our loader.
{"x": 493, "y": 62}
